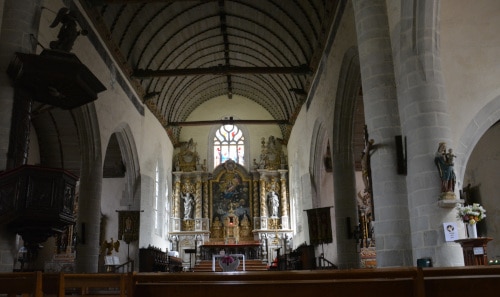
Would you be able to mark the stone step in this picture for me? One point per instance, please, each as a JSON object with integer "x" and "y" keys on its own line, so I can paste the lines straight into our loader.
{"x": 250, "y": 265}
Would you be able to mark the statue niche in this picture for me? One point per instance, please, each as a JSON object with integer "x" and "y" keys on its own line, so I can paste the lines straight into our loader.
{"x": 231, "y": 227}
{"x": 216, "y": 230}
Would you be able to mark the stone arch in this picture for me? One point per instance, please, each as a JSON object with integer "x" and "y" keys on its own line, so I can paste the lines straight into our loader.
{"x": 342, "y": 155}
{"x": 482, "y": 121}
{"x": 480, "y": 182}
{"x": 130, "y": 158}
{"x": 317, "y": 167}
{"x": 315, "y": 154}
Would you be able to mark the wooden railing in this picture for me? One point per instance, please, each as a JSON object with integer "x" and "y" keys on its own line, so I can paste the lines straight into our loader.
{"x": 123, "y": 268}
{"x": 324, "y": 263}
{"x": 387, "y": 282}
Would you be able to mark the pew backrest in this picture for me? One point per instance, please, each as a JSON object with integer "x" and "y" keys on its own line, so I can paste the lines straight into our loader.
{"x": 21, "y": 283}
{"x": 114, "y": 284}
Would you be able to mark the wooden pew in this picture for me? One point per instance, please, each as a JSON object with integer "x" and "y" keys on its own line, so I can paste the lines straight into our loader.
{"x": 50, "y": 284}
{"x": 360, "y": 282}
{"x": 462, "y": 281}
{"x": 415, "y": 282}
{"x": 91, "y": 284}
{"x": 21, "y": 283}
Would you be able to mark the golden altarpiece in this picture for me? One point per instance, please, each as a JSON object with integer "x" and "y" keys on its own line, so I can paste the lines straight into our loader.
{"x": 233, "y": 209}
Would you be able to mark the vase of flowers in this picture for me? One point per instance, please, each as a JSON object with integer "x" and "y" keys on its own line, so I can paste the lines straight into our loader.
{"x": 228, "y": 263}
{"x": 471, "y": 215}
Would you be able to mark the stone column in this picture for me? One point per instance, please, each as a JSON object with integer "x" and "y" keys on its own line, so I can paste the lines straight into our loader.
{"x": 89, "y": 216}
{"x": 18, "y": 32}
{"x": 425, "y": 120}
{"x": 89, "y": 201}
{"x": 392, "y": 225}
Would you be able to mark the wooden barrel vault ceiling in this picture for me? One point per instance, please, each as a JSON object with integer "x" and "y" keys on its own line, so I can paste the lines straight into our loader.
{"x": 181, "y": 53}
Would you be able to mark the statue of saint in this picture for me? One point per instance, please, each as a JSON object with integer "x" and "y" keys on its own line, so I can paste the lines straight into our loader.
{"x": 445, "y": 161}
{"x": 188, "y": 205}
{"x": 273, "y": 202}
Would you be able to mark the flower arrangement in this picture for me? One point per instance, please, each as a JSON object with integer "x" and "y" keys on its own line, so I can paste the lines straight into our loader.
{"x": 471, "y": 214}
{"x": 227, "y": 260}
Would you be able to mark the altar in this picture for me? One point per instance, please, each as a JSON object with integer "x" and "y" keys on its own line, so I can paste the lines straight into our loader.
{"x": 214, "y": 256}
{"x": 250, "y": 250}
{"x": 230, "y": 209}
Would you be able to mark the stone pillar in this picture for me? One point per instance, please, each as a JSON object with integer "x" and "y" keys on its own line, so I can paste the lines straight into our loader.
{"x": 392, "y": 225}
{"x": 90, "y": 190}
{"x": 89, "y": 216}
{"x": 425, "y": 120}
{"x": 19, "y": 29}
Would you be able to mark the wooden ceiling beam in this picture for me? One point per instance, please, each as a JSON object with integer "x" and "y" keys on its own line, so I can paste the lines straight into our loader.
{"x": 229, "y": 122}
{"x": 221, "y": 70}
{"x": 143, "y": 1}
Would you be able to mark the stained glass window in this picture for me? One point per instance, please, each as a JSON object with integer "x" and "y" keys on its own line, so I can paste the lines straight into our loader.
{"x": 229, "y": 143}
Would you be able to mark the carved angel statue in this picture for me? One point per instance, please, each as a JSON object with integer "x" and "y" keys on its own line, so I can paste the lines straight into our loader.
{"x": 68, "y": 32}
{"x": 109, "y": 246}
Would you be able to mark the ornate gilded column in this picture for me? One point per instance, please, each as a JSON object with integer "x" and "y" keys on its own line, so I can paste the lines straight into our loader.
{"x": 284, "y": 199}
{"x": 198, "y": 197}
{"x": 198, "y": 221}
{"x": 206, "y": 212}
{"x": 176, "y": 203}
{"x": 263, "y": 206}
{"x": 256, "y": 201}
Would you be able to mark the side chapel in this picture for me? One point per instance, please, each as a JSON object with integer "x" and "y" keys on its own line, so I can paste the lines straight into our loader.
{"x": 231, "y": 209}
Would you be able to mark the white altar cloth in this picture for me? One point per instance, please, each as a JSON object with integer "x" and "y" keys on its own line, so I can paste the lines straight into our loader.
{"x": 214, "y": 256}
